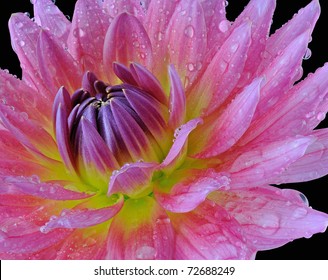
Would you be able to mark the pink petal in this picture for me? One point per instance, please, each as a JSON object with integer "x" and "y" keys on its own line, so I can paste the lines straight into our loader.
{"x": 179, "y": 146}
{"x": 158, "y": 16}
{"x": 312, "y": 165}
{"x": 227, "y": 129}
{"x": 24, "y": 36}
{"x": 82, "y": 218}
{"x": 187, "y": 194}
{"x": 186, "y": 39}
{"x": 28, "y": 132}
{"x": 216, "y": 22}
{"x": 142, "y": 230}
{"x": 53, "y": 63}
{"x": 123, "y": 48}
{"x": 30, "y": 243}
{"x": 298, "y": 112}
{"x": 271, "y": 217}
{"x": 87, "y": 35}
{"x": 33, "y": 186}
{"x": 132, "y": 179}
{"x": 209, "y": 232}
{"x": 49, "y": 17}
{"x": 177, "y": 99}
{"x": 23, "y": 98}
{"x": 282, "y": 72}
{"x": 302, "y": 22}
{"x": 259, "y": 13}
{"x": 20, "y": 168}
{"x": 263, "y": 162}
{"x": 222, "y": 74}
{"x": 83, "y": 244}
{"x": 11, "y": 149}
{"x": 135, "y": 8}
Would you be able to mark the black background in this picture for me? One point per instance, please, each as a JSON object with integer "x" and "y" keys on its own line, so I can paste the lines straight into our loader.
{"x": 316, "y": 191}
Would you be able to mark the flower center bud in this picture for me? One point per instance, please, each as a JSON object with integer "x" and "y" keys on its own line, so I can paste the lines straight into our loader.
{"x": 129, "y": 120}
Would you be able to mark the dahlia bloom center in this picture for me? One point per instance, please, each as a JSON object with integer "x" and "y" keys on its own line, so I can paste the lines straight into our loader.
{"x": 102, "y": 127}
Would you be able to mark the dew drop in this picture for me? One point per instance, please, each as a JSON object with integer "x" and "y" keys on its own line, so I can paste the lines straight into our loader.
{"x": 321, "y": 116}
{"x": 145, "y": 253}
{"x": 307, "y": 54}
{"x": 68, "y": 17}
{"x": 304, "y": 199}
{"x": 226, "y": 3}
{"x": 224, "y": 26}
{"x": 189, "y": 31}
{"x": 191, "y": 67}
{"x": 27, "y": 14}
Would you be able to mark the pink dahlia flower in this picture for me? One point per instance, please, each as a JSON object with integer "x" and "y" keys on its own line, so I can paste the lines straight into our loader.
{"x": 156, "y": 130}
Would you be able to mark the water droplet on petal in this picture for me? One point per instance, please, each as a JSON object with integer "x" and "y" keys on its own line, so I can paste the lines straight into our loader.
{"x": 307, "y": 54}
{"x": 191, "y": 67}
{"x": 321, "y": 116}
{"x": 145, "y": 253}
{"x": 189, "y": 31}
{"x": 304, "y": 198}
{"x": 226, "y": 3}
{"x": 224, "y": 26}
{"x": 27, "y": 14}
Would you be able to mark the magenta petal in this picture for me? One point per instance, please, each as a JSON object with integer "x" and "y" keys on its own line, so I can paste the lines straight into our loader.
{"x": 51, "y": 52}
{"x": 63, "y": 137}
{"x": 298, "y": 112}
{"x": 30, "y": 243}
{"x": 123, "y": 73}
{"x": 271, "y": 217}
{"x": 222, "y": 74}
{"x": 28, "y": 132}
{"x": 262, "y": 163}
{"x": 25, "y": 45}
{"x": 209, "y": 233}
{"x": 187, "y": 42}
{"x": 227, "y": 129}
{"x": 33, "y": 186}
{"x": 177, "y": 99}
{"x": 156, "y": 22}
{"x": 82, "y": 218}
{"x": 141, "y": 230}
{"x": 148, "y": 82}
{"x": 304, "y": 20}
{"x": 135, "y": 139}
{"x": 87, "y": 35}
{"x": 132, "y": 179}
{"x": 136, "y": 8}
{"x": 49, "y": 17}
{"x": 312, "y": 165}
{"x": 120, "y": 47}
{"x": 63, "y": 98}
{"x": 186, "y": 195}
{"x": 23, "y": 98}
{"x": 180, "y": 142}
{"x": 92, "y": 148}
{"x": 259, "y": 13}
{"x": 283, "y": 72}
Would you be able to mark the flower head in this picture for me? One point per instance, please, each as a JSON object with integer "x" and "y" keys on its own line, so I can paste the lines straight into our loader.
{"x": 156, "y": 130}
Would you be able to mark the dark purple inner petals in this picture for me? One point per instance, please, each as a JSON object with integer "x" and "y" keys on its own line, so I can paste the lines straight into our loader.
{"x": 114, "y": 111}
